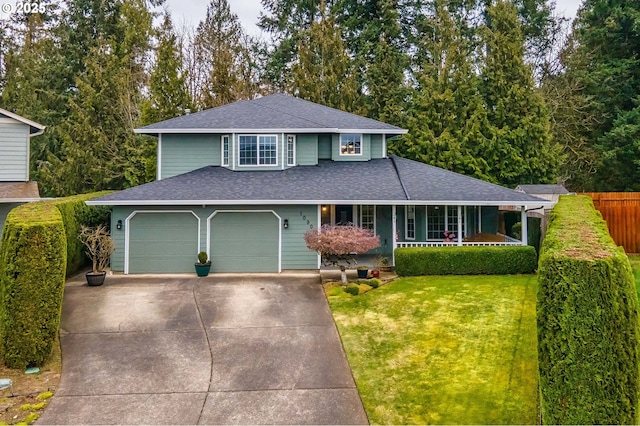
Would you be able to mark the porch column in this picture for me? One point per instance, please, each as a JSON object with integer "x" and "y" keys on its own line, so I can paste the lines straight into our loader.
{"x": 459, "y": 225}
{"x": 523, "y": 222}
{"x": 393, "y": 234}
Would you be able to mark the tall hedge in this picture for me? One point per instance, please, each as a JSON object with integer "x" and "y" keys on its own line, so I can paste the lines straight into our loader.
{"x": 466, "y": 260}
{"x": 76, "y": 213}
{"x": 32, "y": 275}
{"x": 587, "y": 321}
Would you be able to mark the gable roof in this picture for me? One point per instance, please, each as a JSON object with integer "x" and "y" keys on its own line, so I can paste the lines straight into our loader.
{"x": 35, "y": 129}
{"x": 542, "y": 189}
{"x": 386, "y": 181}
{"x": 274, "y": 113}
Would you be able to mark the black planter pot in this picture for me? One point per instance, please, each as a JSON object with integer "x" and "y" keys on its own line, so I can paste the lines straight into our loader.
{"x": 203, "y": 270}
{"x": 362, "y": 273}
{"x": 95, "y": 278}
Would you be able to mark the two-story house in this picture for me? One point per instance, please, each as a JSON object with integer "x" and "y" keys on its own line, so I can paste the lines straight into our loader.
{"x": 245, "y": 181}
{"x": 15, "y": 187}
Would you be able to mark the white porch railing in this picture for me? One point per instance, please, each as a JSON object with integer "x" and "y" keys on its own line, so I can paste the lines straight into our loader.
{"x": 509, "y": 242}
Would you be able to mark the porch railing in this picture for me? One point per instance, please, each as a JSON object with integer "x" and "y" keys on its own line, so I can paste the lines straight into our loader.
{"x": 508, "y": 242}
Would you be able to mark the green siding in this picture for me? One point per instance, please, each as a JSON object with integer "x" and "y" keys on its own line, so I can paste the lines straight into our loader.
{"x": 14, "y": 152}
{"x": 306, "y": 150}
{"x": 324, "y": 147}
{"x": 490, "y": 220}
{"x": 5, "y": 208}
{"x": 184, "y": 153}
{"x": 244, "y": 242}
{"x": 295, "y": 254}
{"x": 162, "y": 242}
{"x": 376, "y": 146}
{"x": 384, "y": 229}
{"x": 366, "y": 149}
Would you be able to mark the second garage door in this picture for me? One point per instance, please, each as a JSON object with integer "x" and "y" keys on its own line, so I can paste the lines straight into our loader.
{"x": 245, "y": 242}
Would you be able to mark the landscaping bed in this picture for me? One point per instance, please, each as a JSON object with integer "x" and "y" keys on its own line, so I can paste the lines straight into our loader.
{"x": 444, "y": 349}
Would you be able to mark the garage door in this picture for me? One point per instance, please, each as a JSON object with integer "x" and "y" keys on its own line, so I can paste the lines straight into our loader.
{"x": 163, "y": 242}
{"x": 245, "y": 242}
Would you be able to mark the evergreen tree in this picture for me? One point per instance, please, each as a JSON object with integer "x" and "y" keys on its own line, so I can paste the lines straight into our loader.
{"x": 323, "y": 73}
{"x": 606, "y": 67}
{"x": 521, "y": 149}
{"x": 221, "y": 68}
{"x": 168, "y": 97}
{"x": 447, "y": 123}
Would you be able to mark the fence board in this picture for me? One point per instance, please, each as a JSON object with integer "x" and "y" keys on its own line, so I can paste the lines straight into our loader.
{"x": 621, "y": 211}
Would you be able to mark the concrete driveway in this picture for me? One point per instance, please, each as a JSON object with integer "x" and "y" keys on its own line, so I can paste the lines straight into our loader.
{"x": 218, "y": 350}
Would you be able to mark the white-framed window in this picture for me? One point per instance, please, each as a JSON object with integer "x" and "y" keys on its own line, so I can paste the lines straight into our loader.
{"x": 225, "y": 150}
{"x": 368, "y": 217}
{"x": 441, "y": 219}
{"x": 350, "y": 144}
{"x": 291, "y": 150}
{"x": 410, "y": 222}
{"x": 258, "y": 150}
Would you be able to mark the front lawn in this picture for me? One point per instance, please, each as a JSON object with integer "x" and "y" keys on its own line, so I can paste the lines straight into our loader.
{"x": 444, "y": 349}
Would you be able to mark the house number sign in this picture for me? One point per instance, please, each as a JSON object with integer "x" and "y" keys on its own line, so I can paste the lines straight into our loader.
{"x": 304, "y": 219}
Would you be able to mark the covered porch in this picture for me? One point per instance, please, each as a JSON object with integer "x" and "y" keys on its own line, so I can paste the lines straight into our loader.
{"x": 424, "y": 225}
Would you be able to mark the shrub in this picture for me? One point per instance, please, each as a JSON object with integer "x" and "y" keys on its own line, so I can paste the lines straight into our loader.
{"x": 352, "y": 289}
{"x": 587, "y": 321}
{"x": 466, "y": 260}
{"x": 76, "y": 213}
{"x": 32, "y": 273}
{"x": 375, "y": 283}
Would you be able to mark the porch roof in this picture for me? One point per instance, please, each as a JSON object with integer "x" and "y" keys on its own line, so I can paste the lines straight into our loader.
{"x": 392, "y": 180}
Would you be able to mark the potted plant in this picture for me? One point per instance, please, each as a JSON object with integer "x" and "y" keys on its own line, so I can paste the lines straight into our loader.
{"x": 384, "y": 264}
{"x": 100, "y": 247}
{"x": 363, "y": 271}
{"x": 204, "y": 264}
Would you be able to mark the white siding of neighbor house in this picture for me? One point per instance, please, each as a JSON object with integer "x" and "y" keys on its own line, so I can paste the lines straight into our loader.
{"x": 14, "y": 151}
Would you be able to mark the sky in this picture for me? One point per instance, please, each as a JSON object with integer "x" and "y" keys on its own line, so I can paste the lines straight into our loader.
{"x": 192, "y": 11}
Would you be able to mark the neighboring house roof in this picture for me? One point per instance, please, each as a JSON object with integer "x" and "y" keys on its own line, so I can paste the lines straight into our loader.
{"x": 542, "y": 189}
{"x": 35, "y": 129}
{"x": 392, "y": 180}
{"x": 13, "y": 192}
{"x": 274, "y": 113}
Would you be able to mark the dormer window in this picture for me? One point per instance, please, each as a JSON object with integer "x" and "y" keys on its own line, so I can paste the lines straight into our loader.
{"x": 350, "y": 144}
{"x": 258, "y": 150}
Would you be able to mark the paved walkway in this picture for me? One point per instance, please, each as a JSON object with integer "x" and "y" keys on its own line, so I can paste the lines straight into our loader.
{"x": 218, "y": 350}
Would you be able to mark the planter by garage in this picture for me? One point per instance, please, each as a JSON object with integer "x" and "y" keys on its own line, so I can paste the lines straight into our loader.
{"x": 363, "y": 272}
{"x": 203, "y": 270}
{"x": 95, "y": 278}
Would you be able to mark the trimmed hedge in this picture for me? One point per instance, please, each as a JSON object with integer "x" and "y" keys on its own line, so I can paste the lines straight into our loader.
{"x": 587, "y": 321}
{"x": 466, "y": 260}
{"x": 76, "y": 213}
{"x": 32, "y": 275}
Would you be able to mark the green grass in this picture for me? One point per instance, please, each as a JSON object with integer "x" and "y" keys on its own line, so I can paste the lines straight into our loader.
{"x": 453, "y": 350}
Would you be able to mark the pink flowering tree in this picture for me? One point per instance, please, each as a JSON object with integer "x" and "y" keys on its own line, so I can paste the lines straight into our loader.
{"x": 338, "y": 244}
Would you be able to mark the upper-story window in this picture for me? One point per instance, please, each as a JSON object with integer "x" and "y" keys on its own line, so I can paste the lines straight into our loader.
{"x": 291, "y": 150}
{"x": 225, "y": 150}
{"x": 350, "y": 144}
{"x": 258, "y": 150}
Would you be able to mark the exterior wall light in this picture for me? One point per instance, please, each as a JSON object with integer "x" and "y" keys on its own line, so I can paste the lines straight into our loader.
{"x": 119, "y": 225}
{"x": 285, "y": 224}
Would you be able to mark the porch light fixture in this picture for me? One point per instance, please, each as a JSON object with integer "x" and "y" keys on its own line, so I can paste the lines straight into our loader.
{"x": 119, "y": 225}
{"x": 285, "y": 224}
{"x": 324, "y": 209}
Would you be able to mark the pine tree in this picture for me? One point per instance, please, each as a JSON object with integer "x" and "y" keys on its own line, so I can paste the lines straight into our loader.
{"x": 521, "y": 149}
{"x": 168, "y": 97}
{"x": 323, "y": 73}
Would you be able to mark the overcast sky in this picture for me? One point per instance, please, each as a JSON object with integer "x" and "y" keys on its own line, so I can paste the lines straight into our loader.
{"x": 192, "y": 11}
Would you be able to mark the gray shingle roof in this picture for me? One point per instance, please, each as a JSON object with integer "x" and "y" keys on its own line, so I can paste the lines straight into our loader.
{"x": 274, "y": 112}
{"x": 381, "y": 181}
{"x": 542, "y": 189}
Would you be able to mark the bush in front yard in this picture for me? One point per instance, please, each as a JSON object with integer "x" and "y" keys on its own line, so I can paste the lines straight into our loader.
{"x": 76, "y": 213}
{"x": 32, "y": 273}
{"x": 587, "y": 315}
{"x": 465, "y": 260}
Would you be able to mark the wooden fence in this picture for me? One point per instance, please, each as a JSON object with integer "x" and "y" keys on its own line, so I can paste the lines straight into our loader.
{"x": 621, "y": 211}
